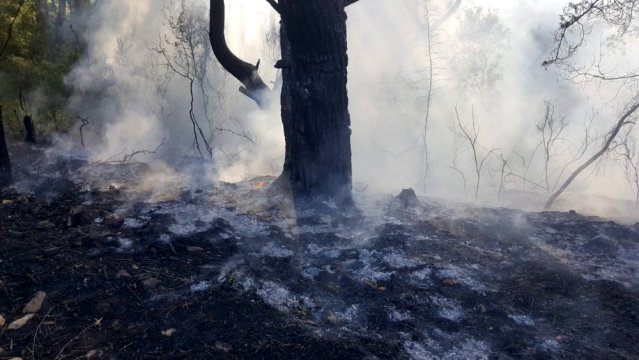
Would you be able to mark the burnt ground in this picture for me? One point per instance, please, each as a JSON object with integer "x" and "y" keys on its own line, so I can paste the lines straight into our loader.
{"x": 139, "y": 265}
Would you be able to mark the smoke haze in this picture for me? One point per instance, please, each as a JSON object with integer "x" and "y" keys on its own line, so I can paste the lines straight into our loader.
{"x": 486, "y": 62}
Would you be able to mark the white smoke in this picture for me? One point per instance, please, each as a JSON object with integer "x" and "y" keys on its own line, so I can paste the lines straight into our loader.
{"x": 119, "y": 84}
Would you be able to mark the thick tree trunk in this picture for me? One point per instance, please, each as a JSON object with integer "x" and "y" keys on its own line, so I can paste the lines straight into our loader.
{"x": 5, "y": 163}
{"x": 314, "y": 99}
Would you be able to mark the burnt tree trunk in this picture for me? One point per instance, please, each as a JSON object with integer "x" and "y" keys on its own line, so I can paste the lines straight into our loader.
{"x": 29, "y": 129}
{"x": 5, "y": 162}
{"x": 314, "y": 99}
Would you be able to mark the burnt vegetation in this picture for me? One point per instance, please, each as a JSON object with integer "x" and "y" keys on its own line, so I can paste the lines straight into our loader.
{"x": 135, "y": 223}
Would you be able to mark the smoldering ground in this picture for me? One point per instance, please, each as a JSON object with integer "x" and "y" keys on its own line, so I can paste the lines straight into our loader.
{"x": 179, "y": 263}
{"x": 226, "y": 271}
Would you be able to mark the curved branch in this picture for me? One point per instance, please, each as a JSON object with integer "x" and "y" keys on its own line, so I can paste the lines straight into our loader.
{"x": 613, "y": 134}
{"x": 253, "y": 85}
{"x": 274, "y": 5}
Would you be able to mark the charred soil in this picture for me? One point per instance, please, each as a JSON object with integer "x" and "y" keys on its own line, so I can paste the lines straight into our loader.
{"x": 219, "y": 272}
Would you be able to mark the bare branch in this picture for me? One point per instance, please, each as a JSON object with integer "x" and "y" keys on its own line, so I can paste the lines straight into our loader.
{"x": 611, "y": 138}
{"x": 253, "y": 85}
{"x": 128, "y": 157}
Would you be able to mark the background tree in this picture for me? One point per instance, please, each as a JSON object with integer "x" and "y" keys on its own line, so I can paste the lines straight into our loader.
{"x": 186, "y": 53}
{"x": 477, "y": 48}
{"x": 40, "y": 43}
{"x": 578, "y": 21}
{"x": 314, "y": 100}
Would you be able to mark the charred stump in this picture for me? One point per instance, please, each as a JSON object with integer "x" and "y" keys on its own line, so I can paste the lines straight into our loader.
{"x": 29, "y": 129}
{"x": 5, "y": 162}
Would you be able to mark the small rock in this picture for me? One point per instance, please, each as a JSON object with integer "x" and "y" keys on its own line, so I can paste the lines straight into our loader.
{"x": 113, "y": 222}
{"x": 151, "y": 282}
{"x": 168, "y": 332}
{"x": 122, "y": 274}
{"x": 222, "y": 346}
{"x": 35, "y": 304}
{"x": 7, "y": 202}
{"x": 408, "y": 198}
{"x": 45, "y": 225}
{"x": 94, "y": 353}
{"x": 15, "y": 234}
{"x": 17, "y": 324}
{"x": 450, "y": 281}
{"x": 331, "y": 318}
{"x": 2, "y": 321}
{"x": 80, "y": 215}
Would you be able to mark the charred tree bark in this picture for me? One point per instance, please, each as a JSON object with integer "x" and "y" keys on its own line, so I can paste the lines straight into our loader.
{"x": 314, "y": 99}
{"x": 5, "y": 162}
{"x": 29, "y": 129}
{"x": 253, "y": 85}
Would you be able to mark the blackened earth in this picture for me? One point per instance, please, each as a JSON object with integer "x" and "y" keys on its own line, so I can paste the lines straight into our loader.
{"x": 229, "y": 271}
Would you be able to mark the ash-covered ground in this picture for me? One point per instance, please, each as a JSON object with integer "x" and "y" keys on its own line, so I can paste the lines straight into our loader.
{"x": 137, "y": 265}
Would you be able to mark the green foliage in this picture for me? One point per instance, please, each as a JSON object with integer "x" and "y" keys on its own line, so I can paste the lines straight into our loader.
{"x": 41, "y": 48}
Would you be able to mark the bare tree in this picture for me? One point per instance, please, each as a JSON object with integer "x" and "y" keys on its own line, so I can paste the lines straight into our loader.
{"x": 630, "y": 155}
{"x": 477, "y": 48}
{"x": 430, "y": 23}
{"x": 623, "y": 121}
{"x": 479, "y": 154}
{"x": 550, "y": 130}
{"x": 429, "y": 97}
{"x": 186, "y": 53}
{"x": 576, "y": 24}
{"x": 457, "y": 146}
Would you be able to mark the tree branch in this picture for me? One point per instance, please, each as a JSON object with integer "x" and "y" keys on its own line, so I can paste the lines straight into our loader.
{"x": 611, "y": 137}
{"x": 253, "y": 85}
{"x": 274, "y": 4}
{"x": 10, "y": 29}
{"x": 450, "y": 12}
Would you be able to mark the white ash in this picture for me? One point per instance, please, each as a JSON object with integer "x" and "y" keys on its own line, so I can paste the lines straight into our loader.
{"x": 134, "y": 223}
{"x": 276, "y": 251}
{"x": 462, "y": 275}
{"x": 200, "y": 286}
{"x": 522, "y": 320}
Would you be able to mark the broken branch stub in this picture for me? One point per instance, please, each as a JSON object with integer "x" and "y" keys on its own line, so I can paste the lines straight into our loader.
{"x": 5, "y": 162}
{"x": 253, "y": 85}
{"x": 29, "y": 127}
